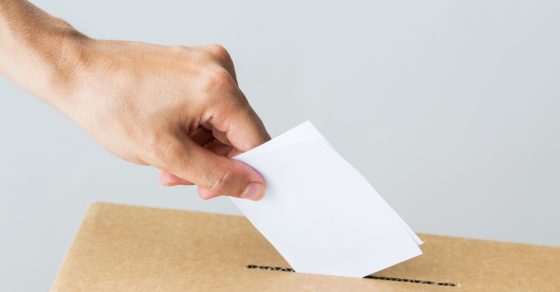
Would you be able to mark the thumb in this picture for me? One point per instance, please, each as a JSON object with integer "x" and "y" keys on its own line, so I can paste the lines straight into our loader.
{"x": 214, "y": 174}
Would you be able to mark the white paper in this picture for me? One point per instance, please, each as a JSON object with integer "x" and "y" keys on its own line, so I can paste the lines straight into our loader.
{"x": 307, "y": 132}
{"x": 320, "y": 213}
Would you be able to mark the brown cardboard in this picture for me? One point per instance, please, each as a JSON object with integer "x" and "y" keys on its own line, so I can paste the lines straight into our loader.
{"x": 124, "y": 248}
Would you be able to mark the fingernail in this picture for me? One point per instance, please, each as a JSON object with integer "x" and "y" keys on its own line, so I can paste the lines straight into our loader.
{"x": 254, "y": 191}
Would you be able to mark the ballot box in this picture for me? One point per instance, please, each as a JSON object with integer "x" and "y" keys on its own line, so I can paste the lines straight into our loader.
{"x": 127, "y": 248}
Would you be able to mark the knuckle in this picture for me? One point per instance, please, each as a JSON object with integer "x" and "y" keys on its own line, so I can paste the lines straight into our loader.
{"x": 167, "y": 151}
{"x": 218, "y": 51}
{"x": 220, "y": 179}
{"x": 215, "y": 80}
{"x": 178, "y": 48}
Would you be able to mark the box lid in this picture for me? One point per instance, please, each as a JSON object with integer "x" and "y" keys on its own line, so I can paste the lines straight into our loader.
{"x": 126, "y": 248}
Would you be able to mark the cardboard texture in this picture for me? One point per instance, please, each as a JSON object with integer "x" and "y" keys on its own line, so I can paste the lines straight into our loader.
{"x": 125, "y": 248}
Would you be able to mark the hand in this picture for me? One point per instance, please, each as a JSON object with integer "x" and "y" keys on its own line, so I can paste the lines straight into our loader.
{"x": 176, "y": 108}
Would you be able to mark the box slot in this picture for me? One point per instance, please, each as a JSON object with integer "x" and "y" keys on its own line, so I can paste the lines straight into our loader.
{"x": 394, "y": 279}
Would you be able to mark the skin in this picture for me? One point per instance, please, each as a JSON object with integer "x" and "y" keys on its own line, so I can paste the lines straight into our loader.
{"x": 176, "y": 108}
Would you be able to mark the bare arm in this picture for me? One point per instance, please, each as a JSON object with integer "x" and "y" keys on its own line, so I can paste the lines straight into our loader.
{"x": 176, "y": 108}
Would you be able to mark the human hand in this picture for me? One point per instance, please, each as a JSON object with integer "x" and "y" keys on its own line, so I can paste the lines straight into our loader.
{"x": 176, "y": 108}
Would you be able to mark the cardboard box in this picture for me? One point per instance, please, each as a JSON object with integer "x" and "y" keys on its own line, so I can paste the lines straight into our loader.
{"x": 124, "y": 248}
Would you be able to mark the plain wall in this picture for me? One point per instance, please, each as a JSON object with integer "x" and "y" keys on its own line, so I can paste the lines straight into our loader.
{"x": 449, "y": 108}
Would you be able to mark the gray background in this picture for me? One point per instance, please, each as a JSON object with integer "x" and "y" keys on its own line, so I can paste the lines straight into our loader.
{"x": 449, "y": 108}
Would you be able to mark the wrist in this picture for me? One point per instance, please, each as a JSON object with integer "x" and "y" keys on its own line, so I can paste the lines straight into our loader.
{"x": 40, "y": 53}
{"x": 64, "y": 56}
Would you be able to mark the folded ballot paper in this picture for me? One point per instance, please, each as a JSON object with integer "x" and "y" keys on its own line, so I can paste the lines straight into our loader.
{"x": 320, "y": 213}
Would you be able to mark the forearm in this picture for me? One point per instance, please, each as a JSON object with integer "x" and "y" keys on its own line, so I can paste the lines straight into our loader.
{"x": 38, "y": 52}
